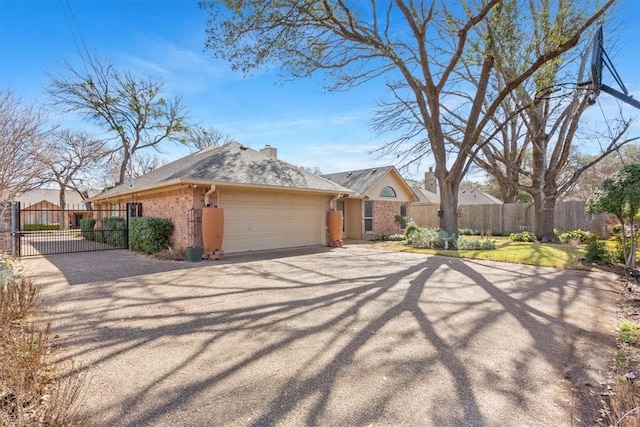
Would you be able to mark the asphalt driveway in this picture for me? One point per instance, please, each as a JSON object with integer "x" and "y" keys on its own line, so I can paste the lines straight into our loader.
{"x": 350, "y": 336}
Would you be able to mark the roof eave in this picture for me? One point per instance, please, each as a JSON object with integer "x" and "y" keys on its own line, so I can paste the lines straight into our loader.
{"x": 206, "y": 183}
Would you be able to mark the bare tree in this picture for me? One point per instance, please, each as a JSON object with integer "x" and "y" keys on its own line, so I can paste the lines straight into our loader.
{"x": 139, "y": 165}
{"x": 22, "y": 132}
{"x": 71, "y": 159}
{"x": 199, "y": 138}
{"x": 131, "y": 108}
{"x": 592, "y": 178}
{"x": 543, "y": 121}
{"x": 417, "y": 46}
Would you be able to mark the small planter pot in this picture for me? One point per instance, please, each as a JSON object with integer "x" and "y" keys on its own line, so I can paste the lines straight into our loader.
{"x": 194, "y": 253}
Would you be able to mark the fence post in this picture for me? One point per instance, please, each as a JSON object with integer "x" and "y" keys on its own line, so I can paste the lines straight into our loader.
{"x": 15, "y": 229}
{"x": 128, "y": 215}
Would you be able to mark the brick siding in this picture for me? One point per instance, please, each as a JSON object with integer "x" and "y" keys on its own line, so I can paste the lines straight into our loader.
{"x": 173, "y": 205}
{"x": 384, "y": 218}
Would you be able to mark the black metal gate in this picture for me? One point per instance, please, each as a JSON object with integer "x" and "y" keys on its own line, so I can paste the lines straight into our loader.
{"x": 46, "y": 230}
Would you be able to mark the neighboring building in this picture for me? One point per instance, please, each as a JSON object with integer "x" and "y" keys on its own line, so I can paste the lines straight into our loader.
{"x": 42, "y": 207}
{"x": 380, "y": 195}
{"x": 267, "y": 203}
{"x": 424, "y": 211}
{"x": 427, "y": 193}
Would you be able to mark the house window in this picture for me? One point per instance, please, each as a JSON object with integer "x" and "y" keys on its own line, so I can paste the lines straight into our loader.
{"x": 135, "y": 209}
{"x": 403, "y": 209}
{"x": 368, "y": 215}
{"x": 388, "y": 192}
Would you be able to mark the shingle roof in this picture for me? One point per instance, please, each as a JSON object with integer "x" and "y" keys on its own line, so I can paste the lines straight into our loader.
{"x": 36, "y": 196}
{"x": 425, "y": 196}
{"x": 476, "y": 197}
{"x": 231, "y": 163}
{"x": 361, "y": 180}
{"x": 465, "y": 197}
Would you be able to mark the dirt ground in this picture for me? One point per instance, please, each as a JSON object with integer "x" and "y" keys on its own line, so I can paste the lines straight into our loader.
{"x": 352, "y": 336}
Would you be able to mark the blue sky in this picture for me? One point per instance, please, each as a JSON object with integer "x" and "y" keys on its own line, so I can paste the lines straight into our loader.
{"x": 165, "y": 39}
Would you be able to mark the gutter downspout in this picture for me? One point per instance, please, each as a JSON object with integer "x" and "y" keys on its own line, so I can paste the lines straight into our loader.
{"x": 332, "y": 202}
{"x": 208, "y": 193}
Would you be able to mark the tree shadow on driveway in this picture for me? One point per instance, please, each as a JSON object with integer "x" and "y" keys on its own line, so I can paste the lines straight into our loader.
{"x": 351, "y": 337}
{"x": 99, "y": 266}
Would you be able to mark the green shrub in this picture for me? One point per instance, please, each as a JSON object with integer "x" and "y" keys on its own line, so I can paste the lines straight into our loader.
{"x": 99, "y": 234}
{"x": 524, "y": 236}
{"x": 617, "y": 253}
{"x": 578, "y": 236}
{"x": 390, "y": 237}
{"x": 464, "y": 243}
{"x": 86, "y": 228}
{"x": 468, "y": 232}
{"x": 401, "y": 220}
{"x": 41, "y": 227}
{"x": 114, "y": 232}
{"x": 411, "y": 228}
{"x": 423, "y": 238}
{"x": 488, "y": 245}
{"x": 629, "y": 332}
{"x": 148, "y": 234}
{"x": 597, "y": 252}
{"x": 431, "y": 238}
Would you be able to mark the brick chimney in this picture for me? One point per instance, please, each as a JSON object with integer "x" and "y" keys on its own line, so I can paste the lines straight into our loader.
{"x": 270, "y": 151}
{"x": 430, "y": 182}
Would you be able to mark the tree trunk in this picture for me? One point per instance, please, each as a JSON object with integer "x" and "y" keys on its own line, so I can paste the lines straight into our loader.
{"x": 123, "y": 166}
{"x": 61, "y": 207}
{"x": 508, "y": 191}
{"x": 630, "y": 262}
{"x": 449, "y": 205}
{"x": 544, "y": 211}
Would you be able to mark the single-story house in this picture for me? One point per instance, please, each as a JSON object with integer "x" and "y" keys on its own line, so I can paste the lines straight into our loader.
{"x": 424, "y": 210}
{"x": 380, "y": 195}
{"x": 267, "y": 203}
{"x": 41, "y": 206}
{"x": 427, "y": 193}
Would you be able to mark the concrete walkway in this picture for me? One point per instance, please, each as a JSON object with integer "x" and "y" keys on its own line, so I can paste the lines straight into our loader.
{"x": 350, "y": 336}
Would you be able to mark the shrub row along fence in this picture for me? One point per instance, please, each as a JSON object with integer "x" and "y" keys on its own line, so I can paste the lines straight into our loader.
{"x": 43, "y": 229}
{"x": 510, "y": 218}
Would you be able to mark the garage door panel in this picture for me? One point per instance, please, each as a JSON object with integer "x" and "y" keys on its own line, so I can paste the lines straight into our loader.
{"x": 257, "y": 220}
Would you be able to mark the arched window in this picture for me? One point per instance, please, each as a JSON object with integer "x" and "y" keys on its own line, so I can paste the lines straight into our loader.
{"x": 388, "y": 192}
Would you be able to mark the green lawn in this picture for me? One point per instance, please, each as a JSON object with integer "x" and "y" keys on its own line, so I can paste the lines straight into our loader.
{"x": 542, "y": 254}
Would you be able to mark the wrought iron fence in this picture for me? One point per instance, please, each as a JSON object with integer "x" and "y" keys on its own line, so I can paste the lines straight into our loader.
{"x": 43, "y": 229}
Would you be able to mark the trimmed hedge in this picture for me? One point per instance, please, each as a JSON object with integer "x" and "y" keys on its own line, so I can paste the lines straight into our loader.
{"x": 86, "y": 228}
{"x": 148, "y": 234}
{"x": 41, "y": 227}
{"x": 113, "y": 232}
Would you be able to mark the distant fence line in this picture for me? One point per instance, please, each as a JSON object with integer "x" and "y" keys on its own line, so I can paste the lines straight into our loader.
{"x": 512, "y": 217}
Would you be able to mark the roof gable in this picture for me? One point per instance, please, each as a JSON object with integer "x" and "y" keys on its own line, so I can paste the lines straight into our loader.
{"x": 50, "y": 195}
{"x": 366, "y": 182}
{"x": 359, "y": 180}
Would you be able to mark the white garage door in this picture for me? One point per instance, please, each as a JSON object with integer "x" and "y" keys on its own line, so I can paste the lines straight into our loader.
{"x": 257, "y": 220}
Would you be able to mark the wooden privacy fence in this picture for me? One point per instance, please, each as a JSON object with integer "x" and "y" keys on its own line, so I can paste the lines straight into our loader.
{"x": 512, "y": 217}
